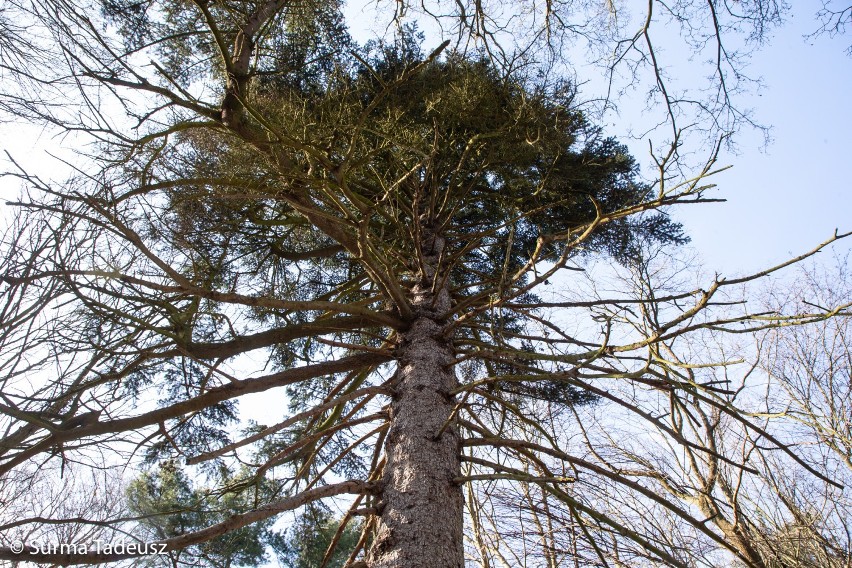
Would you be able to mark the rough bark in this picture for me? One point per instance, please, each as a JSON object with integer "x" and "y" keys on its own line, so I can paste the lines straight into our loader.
{"x": 420, "y": 522}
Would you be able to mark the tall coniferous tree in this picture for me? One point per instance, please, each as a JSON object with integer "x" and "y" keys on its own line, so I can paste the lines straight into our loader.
{"x": 380, "y": 221}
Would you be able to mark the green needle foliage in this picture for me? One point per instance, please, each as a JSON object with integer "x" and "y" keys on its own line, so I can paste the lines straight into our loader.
{"x": 168, "y": 505}
{"x": 309, "y": 538}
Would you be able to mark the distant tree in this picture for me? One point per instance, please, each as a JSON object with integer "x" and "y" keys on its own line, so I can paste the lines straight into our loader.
{"x": 307, "y": 541}
{"x": 810, "y": 369}
{"x": 400, "y": 238}
{"x": 31, "y": 497}
{"x": 768, "y": 506}
{"x": 167, "y": 505}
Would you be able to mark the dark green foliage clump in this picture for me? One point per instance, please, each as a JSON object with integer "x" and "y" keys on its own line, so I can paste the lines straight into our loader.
{"x": 168, "y": 505}
{"x": 306, "y": 542}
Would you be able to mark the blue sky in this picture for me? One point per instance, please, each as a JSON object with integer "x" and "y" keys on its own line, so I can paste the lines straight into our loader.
{"x": 786, "y": 197}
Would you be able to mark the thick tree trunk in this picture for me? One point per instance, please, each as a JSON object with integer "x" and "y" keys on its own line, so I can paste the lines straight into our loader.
{"x": 420, "y": 520}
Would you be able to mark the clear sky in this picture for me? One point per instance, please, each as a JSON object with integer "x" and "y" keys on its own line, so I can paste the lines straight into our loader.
{"x": 792, "y": 194}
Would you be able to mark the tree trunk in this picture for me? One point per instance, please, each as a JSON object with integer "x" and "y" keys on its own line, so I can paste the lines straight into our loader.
{"x": 421, "y": 511}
